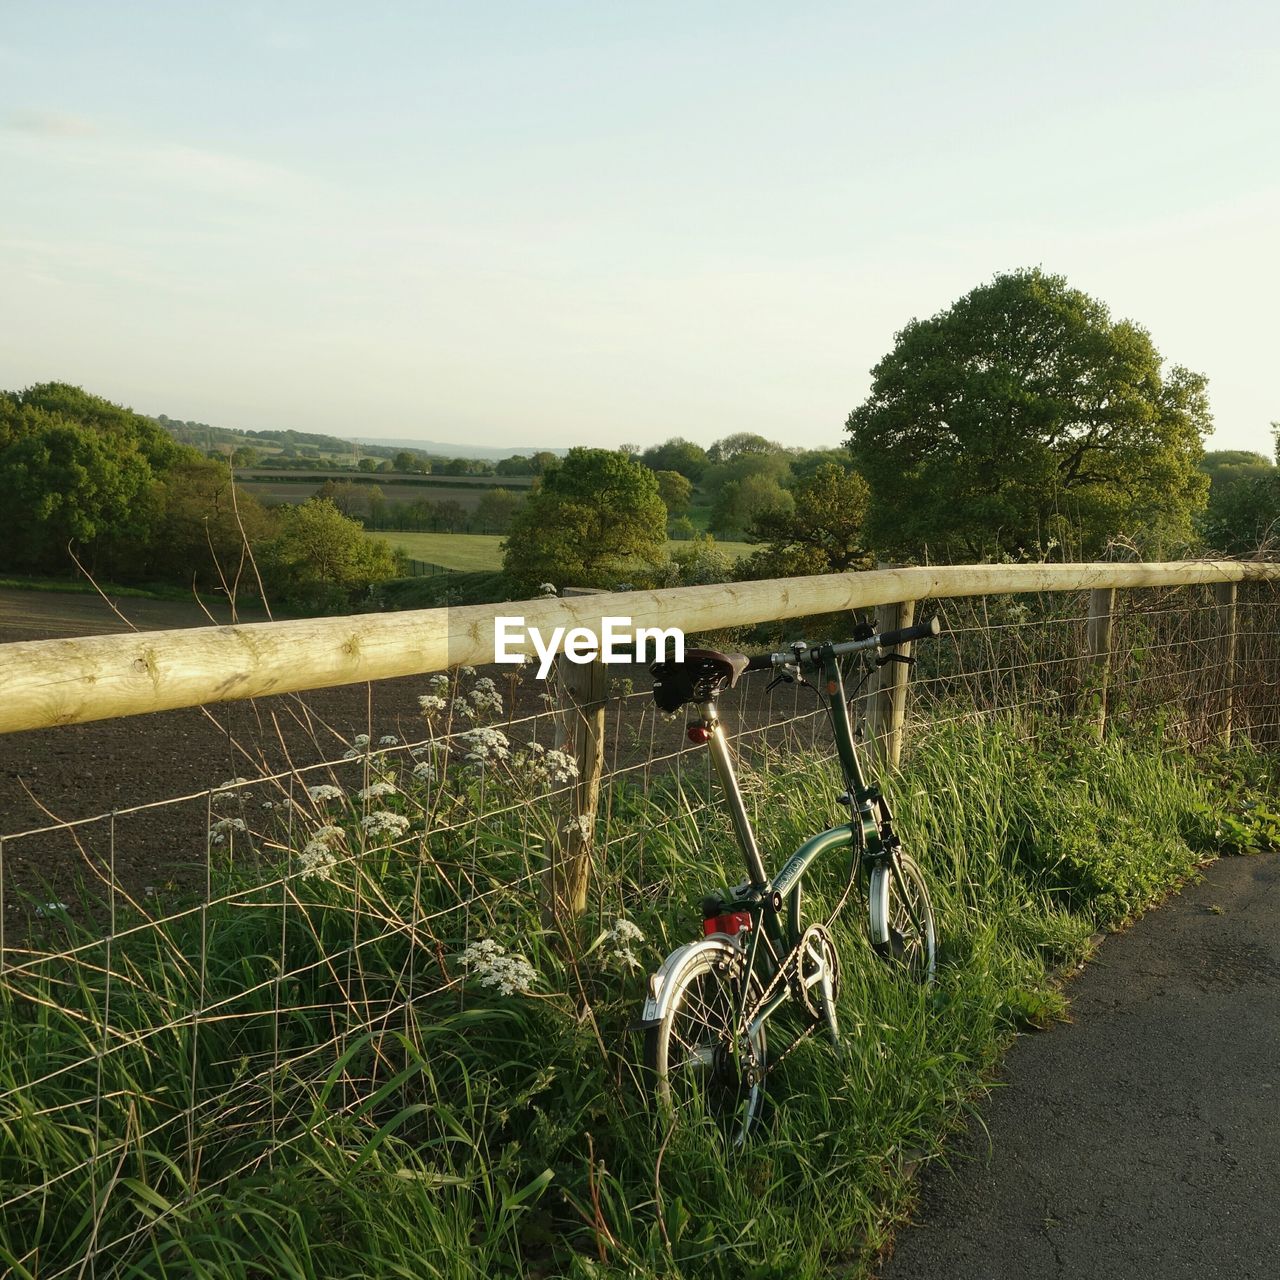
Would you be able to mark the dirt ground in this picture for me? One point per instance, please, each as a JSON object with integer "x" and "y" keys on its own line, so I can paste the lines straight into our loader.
{"x": 78, "y": 772}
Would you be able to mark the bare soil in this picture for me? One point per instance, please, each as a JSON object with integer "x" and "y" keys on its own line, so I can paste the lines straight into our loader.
{"x": 76, "y": 773}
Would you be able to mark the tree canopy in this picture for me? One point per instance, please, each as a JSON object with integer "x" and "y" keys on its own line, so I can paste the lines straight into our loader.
{"x": 1022, "y": 413}
{"x": 595, "y": 520}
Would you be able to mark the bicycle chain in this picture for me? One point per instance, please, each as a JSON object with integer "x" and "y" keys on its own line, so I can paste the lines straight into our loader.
{"x": 784, "y": 973}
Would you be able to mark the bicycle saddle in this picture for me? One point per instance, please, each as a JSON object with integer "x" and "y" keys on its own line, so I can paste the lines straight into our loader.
{"x": 702, "y": 675}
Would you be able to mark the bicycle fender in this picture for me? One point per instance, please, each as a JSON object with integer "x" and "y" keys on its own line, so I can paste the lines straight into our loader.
{"x": 660, "y": 984}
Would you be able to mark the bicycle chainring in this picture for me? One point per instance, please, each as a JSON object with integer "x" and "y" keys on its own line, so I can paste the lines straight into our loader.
{"x": 817, "y": 950}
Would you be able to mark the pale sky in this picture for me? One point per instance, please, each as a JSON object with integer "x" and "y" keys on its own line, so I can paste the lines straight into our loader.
{"x": 552, "y": 223}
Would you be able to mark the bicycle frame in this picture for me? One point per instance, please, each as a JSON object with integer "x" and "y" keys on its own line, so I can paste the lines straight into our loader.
{"x": 769, "y": 895}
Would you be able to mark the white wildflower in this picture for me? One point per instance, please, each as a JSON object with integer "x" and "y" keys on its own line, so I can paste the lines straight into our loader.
{"x": 319, "y": 855}
{"x": 231, "y": 784}
{"x": 439, "y": 682}
{"x": 466, "y": 672}
{"x": 431, "y": 704}
{"x": 486, "y": 698}
{"x": 493, "y": 967}
{"x": 360, "y": 740}
{"x": 376, "y": 789}
{"x": 325, "y": 791}
{"x": 547, "y": 588}
{"x": 485, "y": 746}
{"x": 218, "y": 832}
{"x": 388, "y": 740}
{"x": 581, "y": 824}
{"x": 384, "y": 823}
{"x": 424, "y": 771}
{"x": 542, "y": 767}
{"x": 617, "y": 943}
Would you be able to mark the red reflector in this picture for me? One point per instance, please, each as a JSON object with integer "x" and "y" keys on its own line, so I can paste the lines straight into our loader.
{"x": 734, "y": 922}
{"x": 699, "y": 733}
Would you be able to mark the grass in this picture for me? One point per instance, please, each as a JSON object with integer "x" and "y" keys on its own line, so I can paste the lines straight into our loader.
{"x": 350, "y": 1104}
{"x": 475, "y": 552}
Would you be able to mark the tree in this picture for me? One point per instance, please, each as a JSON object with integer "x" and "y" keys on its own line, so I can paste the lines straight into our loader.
{"x": 742, "y": 504}
{"x": 450, "y": 515}
{"x": 320, "y": 559}
{"x": 675, "y": 490}
{"x": 203, "y": 528}
{"x": 596, "y": 520}
{"x": 733, "y": 446}
{"x": 1023, "y": 412}
{"x": 824, "y": 531}
{"x": 516, "y": 465}
{"x": 1243, "y": 513}
{"x": 495, "y": 510}
{"x": 349, "y": 498}
{"x": 677, "y": 454}
{"x": 78, "y": 471}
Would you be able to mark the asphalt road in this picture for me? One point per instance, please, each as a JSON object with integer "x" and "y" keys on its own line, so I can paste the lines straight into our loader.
{"x": 1143, "y": 1138}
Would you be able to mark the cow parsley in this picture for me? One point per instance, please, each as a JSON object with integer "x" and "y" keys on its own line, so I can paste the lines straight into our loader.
{"x": 490, "y": 964}
{"x": 325, "y": 791}
{"x": 485, "y": 747}
{"x": 220, "y": 829}
{"x": 384, "y": 823}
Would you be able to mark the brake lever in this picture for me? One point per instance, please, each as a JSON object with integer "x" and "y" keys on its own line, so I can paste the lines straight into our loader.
{"x": 896, "y": 657}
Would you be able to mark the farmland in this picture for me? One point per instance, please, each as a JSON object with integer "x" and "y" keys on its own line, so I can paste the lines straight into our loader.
{"x": 478, "y": 551}
{"x": 275, "y": 487}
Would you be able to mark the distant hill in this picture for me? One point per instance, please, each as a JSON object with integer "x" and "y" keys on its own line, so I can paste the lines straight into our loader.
{"x": 306, "y": 443}
{"x": 439, "y": 450}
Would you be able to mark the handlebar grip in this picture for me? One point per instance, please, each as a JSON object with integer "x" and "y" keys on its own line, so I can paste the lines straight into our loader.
{"x": 923, "y": 631}
{"x": 761, "y": 662}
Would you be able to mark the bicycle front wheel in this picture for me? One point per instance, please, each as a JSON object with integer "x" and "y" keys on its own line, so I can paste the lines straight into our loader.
{"x": 902, "y": 925}
{"x": 704, "y": 1059}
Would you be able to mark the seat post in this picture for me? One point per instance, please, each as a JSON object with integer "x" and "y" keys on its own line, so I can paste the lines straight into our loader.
{"x": 718, "y": 745}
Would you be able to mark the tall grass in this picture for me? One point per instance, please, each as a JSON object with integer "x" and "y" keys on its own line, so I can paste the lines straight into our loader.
{"x": 301, "y": 1079}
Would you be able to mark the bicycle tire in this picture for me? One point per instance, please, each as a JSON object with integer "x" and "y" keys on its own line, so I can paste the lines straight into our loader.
{"x": 700, "y": 1059}
{"x": 902, "y": 925}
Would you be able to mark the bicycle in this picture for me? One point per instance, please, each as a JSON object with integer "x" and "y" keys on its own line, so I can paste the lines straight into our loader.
{"x": 709, "y": 1004}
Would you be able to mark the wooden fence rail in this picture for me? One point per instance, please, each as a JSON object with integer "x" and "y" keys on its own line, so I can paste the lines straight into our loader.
{"x": 68, "y": 681}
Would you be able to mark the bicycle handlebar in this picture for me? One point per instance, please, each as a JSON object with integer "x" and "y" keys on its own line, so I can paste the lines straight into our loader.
{"x": 889, "y": 640}
{"x": 922, "y": 631}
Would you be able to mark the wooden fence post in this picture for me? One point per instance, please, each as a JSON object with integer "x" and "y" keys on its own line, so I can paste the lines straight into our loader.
{"x": 888, "y": 703}
{"x": 1102, "y": 604}
{"x": 1224, "y": 595}
{"x": 583, "y": 688}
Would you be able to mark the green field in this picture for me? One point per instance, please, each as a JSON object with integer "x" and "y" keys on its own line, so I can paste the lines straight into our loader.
{"x": 477, "y": 551}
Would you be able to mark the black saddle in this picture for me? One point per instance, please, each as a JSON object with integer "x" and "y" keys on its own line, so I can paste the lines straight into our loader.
{"x": 699, "y": 678}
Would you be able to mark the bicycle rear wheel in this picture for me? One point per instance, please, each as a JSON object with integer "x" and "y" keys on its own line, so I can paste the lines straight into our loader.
{"x": 902, "y": 924}
{"x": 704, "y": 1060}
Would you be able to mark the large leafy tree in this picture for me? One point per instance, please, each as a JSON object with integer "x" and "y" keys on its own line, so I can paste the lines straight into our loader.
{"x": 596, "y": 519}
{"x": 1025, "y": 413}
{"x": 823, "y": 533}
{"x": 77, "y": 473}
{"x": 677, "y": 454}
{"x": 320, "y": 559}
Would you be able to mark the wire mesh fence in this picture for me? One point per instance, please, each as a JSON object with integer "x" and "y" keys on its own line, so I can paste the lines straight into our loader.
{"x": 193, "y": 985}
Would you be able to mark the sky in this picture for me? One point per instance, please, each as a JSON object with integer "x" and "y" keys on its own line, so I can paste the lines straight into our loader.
{"x": 543, "y": 223}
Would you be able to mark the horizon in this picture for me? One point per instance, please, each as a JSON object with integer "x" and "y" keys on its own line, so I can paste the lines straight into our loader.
{"x": 602, "y": 227}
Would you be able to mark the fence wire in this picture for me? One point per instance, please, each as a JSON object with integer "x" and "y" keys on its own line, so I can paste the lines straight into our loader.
{"x": 191, "y": 984}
